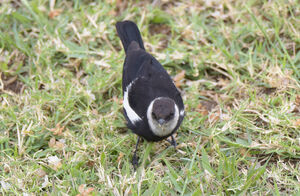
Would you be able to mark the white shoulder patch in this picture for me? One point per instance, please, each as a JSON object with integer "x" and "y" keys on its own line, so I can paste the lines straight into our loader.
{"x": 181, "y": 112}
{"x": 132, "y": 115}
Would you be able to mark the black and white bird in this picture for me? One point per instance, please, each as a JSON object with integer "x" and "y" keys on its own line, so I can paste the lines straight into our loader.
{"x": 153, "y": 106}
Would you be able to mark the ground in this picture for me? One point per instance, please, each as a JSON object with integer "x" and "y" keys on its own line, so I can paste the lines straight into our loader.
{"x": 236, "y": 63}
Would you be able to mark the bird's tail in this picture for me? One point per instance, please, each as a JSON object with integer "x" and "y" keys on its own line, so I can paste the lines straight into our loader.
{"x": 128, "y": 32}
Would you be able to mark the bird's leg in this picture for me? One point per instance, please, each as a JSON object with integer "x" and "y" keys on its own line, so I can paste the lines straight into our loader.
{"x": 135, "y": 159}
{"x": 173, "y": 142}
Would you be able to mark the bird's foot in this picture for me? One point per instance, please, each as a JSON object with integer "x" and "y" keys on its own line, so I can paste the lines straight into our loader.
{"x": 135, "y": 161}
{"x": 172, "y": 142}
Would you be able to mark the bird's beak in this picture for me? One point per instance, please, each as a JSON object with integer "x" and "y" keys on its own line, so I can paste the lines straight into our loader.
{"x": 161, "y": 121}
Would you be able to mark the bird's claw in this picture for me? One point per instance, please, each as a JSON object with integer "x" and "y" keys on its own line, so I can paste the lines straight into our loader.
{"x": 172, "y": 142}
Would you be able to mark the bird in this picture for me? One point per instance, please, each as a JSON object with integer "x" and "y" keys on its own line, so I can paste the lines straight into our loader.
{"x": 152, "y": 104}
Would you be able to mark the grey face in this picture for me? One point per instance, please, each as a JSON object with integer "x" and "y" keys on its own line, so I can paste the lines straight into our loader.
{"x": 163, "y": 110}
{"x": 162, "y": 115}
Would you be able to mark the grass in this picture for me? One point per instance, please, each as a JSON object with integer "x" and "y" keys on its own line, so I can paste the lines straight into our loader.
{"x": 237, "y": 64}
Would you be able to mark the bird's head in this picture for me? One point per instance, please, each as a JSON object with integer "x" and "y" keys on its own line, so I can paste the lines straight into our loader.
{"x": 162, "y": 116}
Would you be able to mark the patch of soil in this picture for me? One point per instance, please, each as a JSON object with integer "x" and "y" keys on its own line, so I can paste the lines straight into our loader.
{"x": 167, "y": 5}
{"x": 12, "y": 83}
{"x": 119, "y": 8}
{"x": 205, "y": 107}
{"x": 10, "y": 80}
{"x": 261, "y": 123}
{"x": 297, "y": 105}
{"x": 161, "y": 29}
{"x": 268, "y": 91}
{"x": 15, "y": 3}
{"x": 209, "y": 105}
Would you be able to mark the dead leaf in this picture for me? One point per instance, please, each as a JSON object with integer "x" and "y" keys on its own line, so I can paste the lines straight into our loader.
{"x": 202, "y": 110}
{"x": 120, "y": 7}
{"x": 6, "y": 168}
{"x": 276, "y": 78}
{"x": 297, "y": 100}
{"x": 54, "y": 162}
{"x": 54, "y": 13}
{"x": 222, "y": 82}
{"x": 95, "y": 112}
{"x": 297, "y": 122}
{"x": 188, "y": 33}
{"x": 80, "y": 73}
{"x": 57, "y": 130}
{"x": 214, "y": 117}
{"x": 112, "y": 13}
{"x": 244, "y": 152}
{"x": 116, "y": 100}
{"x": 52, "y": 142}
{"x": 90, "y": 163}
{"x": 121, "y": 155}
{"x": 81, "y": 188}
{"x": 59, "y": 145}
{"x": 178, "y": 78}
{"x": 40, "y": 173}
{"x": 182, "y": 145}
{"x": 85, "y": 191}
{"x": 181, "y": 151}
{"x": 204, "y": 107}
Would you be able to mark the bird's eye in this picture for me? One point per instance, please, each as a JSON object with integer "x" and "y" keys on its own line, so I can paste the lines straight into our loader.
{"x": 153, "y": 115}
{"x": 170, "y": 116}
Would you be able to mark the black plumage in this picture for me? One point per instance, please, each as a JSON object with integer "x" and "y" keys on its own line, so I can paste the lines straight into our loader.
{"x": 153, "y": 106}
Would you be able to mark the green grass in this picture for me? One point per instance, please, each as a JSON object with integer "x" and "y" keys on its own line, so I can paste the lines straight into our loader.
{"x": 62, "y": 131}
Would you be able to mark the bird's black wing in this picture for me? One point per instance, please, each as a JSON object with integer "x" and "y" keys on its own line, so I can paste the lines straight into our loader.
{"x": 151, "y": 81}
{"x": 133, "y": 62}
{"x": 135, "y": 58}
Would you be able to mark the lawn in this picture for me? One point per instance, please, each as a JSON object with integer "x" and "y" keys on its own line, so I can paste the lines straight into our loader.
{"x": 236, "y": 63}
